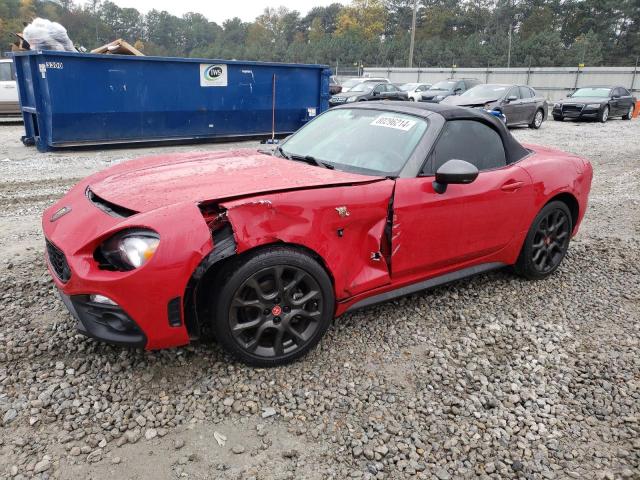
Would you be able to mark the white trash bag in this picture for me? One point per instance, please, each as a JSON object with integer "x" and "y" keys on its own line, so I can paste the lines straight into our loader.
{"x": 43, "y": 34}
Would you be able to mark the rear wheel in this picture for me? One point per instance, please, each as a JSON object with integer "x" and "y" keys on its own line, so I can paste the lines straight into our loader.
{"x": 546, "y": 243}
{"x": 272, "y": 307}
{"x": 629, "y": 114}
{"x": 537, "y": 119}
{"x": 604, "y": 114}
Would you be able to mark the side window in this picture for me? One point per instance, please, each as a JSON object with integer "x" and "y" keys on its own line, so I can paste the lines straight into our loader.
{"x": 467, "y": 140}
{"x": 624, "y": 92}
{"x": 616, "y": 92}
{"x": 420, "y": 88}
{"x": 514, "y": 92}
{"x": 5, "y": 72}
{"x": 461, "y": 86}
{"x": 380, "y": 88}
{"x": 525, "y": 92}
{"x": 391, "y": 88}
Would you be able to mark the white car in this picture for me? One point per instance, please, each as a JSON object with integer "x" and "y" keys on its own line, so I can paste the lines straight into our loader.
{"x": 9, "y": 103}
{"x": 414, "y": 90}
{"x": 352, "y": 82}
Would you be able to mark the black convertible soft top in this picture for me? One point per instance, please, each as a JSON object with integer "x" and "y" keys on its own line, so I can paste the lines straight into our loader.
{"x": 513, "y": 150}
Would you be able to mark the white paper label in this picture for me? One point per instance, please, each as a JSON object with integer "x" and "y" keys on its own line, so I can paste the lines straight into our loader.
{"x": 394, "y": 122}
{"x": 311, "y": 111}
{"x": 213, "y": 75}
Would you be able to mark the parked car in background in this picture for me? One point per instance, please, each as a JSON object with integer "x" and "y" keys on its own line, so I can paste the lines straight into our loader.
{"x": 369, "y": 91}
{"x": 352, "y": 82}
{"x": 520, "y": 104}
{"x": 446, "y": 88}
{"x": 334, "y": 85}
{"x": 414, "y": 90}
{"x": 9, "y": 102}
{"x": 597, "y": 103}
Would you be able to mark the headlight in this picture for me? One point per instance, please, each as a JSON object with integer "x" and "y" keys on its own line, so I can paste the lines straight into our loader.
{"x": 129, "y": 249}
{"x": 593, "y": 105}
{"x": 351, "y": 99}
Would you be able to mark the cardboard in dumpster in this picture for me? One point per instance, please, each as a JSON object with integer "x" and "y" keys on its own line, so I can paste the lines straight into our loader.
{"x": 118, "y": 47}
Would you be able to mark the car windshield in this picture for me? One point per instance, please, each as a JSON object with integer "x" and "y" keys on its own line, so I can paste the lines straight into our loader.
{"x": 347, "y": 84}
{"x": 484, "y": 91}
{"x": 358, "y": 140}
{"x": 363, "y": 87}
{"x": 408, "y": 87}
{"x": 444, "y": 85}
{"x": 591, "y": 92}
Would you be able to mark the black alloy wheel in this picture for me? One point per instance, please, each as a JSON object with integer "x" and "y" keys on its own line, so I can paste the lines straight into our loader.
{"x": 273, "y": 307}
{"x": 547, "y": 242}
{"x": 604, "y": 114}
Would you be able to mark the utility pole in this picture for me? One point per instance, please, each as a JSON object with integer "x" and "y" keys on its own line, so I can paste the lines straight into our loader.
{"x": 413, "y": 33}
{"x": 509, "y": 52}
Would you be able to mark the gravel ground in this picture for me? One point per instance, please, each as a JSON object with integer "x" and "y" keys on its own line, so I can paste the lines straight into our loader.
{"x": 491, "y": 377}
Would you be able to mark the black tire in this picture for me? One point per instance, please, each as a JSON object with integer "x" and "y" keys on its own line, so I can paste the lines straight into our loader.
{"x": 266, "y": 322}
{"x": 546, "y": 243}
{"x": 537, "y": 120}
{"x": 558, "y": 118}
{"x": 629, "y": 114}
{"x": 604, "y": 114}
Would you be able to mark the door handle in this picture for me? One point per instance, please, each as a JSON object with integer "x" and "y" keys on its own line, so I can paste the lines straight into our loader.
{"x": 511, "y": 186}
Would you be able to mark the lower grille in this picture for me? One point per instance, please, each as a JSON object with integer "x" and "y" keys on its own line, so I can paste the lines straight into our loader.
{"x": 58, "y": 262}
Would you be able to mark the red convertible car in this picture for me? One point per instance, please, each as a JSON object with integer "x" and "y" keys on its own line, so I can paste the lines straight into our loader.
{"x": 365, "y": 203}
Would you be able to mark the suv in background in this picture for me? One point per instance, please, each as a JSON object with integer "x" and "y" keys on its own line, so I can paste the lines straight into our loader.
{"x": 452, "y": 86}
{"x": 9, "y": 103}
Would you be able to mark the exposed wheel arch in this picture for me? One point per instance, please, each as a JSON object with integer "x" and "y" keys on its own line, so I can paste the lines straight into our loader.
{"x": 195, "y": 299}
{"x": 571, "y": 202}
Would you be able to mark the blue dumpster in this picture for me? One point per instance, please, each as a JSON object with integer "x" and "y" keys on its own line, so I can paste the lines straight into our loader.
{"x": 73, "y": 99}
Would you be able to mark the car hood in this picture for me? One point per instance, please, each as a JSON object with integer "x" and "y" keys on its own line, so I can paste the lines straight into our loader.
{"x": 433, "y": 93}
{"x": 153, "y": 182}
{"x": 463, "y": 101}
{"x": 584, "y": 100}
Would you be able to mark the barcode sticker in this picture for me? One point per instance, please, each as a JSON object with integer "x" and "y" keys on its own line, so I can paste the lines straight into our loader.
{"x": 394, "y": 122}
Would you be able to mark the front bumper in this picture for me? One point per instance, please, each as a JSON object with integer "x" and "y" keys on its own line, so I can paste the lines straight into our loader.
{"x": 109, "y": 323}
{"x": 151, "y": 297}
{"x": 586, "y": 113}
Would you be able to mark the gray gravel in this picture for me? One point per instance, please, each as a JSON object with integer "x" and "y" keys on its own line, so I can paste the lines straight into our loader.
{"x": 491, "y": 377}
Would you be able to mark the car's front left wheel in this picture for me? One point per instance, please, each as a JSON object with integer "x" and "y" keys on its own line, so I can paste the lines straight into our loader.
{"x": 272, "y": 306}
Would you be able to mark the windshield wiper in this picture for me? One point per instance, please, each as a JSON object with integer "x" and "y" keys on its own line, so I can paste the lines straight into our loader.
{"x": 311, "y": 161}
{"x": 304, "y": 158}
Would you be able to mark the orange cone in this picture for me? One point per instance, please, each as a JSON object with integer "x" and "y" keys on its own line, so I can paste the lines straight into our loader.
{"x": 636, "y": 111}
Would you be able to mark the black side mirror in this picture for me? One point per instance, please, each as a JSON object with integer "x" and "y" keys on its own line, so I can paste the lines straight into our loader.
{"x": 615, "y": 96}
{"x": 456, "y": 172}
{"x": 457, "y": 91}
{"x": 511, "y": 98}
{"x": 376, "y": 93}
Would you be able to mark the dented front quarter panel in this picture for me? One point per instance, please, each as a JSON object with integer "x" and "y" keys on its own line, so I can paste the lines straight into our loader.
{"x": 348, "y": 240}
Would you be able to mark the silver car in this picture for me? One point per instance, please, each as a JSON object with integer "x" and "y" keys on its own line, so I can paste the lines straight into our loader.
{"x": 9, "y": 103}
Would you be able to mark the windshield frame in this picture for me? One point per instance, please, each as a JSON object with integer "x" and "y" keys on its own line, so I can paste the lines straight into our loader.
{"x": 502, "y": 93}
{"x": 608, "y": 95}
{"x": 435, "y": 85}
{"x": 413, "y": 161}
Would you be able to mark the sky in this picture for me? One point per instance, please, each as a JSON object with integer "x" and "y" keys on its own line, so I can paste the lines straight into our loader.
{"x": 220, "y": 10}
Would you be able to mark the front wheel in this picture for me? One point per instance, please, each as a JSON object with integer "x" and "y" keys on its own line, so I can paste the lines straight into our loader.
{"x": 537, "y": 120}
{"x": 604, "y": 114}
{"x": 272, "y": 306}
{"x": 546, "y": 243}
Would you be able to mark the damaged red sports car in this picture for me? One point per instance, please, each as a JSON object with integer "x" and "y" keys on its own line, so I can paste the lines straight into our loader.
{"x": 365, "y": 203}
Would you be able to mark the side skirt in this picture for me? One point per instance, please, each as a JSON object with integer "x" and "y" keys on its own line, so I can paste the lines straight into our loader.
{"x": 425, "y": 284}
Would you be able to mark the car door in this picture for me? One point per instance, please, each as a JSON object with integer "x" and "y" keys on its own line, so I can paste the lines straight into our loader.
{"x": 528, "y": 104}
{"x": 393, "y": 93}
{"x": 435, "y": 233}
{"x": 626, "y": 100}
{"x": 8, "y": 89}
{"x": 614, "y": 103}
{"x": 379, "y": 92}
{"x": 510, "y": 108}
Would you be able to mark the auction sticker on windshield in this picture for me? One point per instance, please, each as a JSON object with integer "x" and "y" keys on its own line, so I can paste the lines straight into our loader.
{"x": 394, "y": 122}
